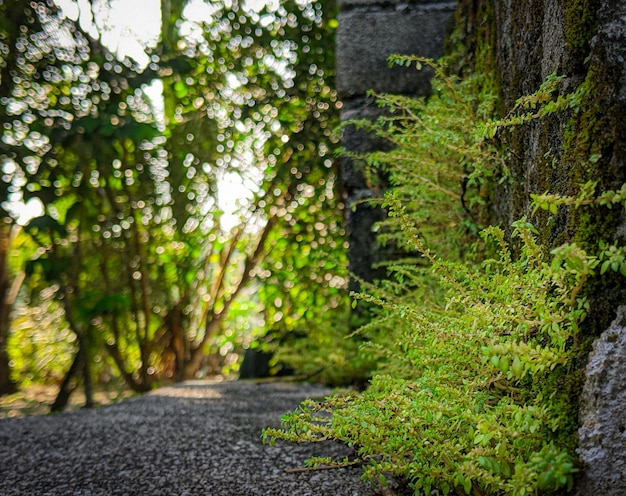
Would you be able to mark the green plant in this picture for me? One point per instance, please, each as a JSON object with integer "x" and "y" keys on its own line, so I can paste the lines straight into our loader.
{"x": 477, "y": 392}
{"x": 469, "y": 402}
{"x": 439, "y": 164}
{"x": 323, "y": 353}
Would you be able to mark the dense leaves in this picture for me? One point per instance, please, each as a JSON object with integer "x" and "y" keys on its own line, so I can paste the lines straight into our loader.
{"x": 474, "y": 388}
{"x": 176, "y": 196}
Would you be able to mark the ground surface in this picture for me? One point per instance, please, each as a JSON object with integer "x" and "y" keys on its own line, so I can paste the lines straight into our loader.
{"x": 36, "y": 400}
{"x": 196, "y": 438}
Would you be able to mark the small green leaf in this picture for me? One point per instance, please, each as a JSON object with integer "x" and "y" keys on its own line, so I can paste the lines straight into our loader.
{"x": 595, "y": 157}
{"x": 467, "y": 486}
{"x": 382, "y": 480}
{"x": 517, "y": 366}
{"x": 503, "y": 365}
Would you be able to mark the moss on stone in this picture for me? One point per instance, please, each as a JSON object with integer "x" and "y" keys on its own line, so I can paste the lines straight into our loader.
{"x": 589, "y": 142}
{"x": 563, "y": 151}
{"x": 580, "y": 24}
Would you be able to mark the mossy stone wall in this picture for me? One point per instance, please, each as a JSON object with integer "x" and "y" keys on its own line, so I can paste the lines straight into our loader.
{"x": 524, "y": 42}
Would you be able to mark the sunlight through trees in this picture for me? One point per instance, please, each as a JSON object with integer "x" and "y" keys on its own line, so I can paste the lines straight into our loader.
{"x": 134, "y": 248}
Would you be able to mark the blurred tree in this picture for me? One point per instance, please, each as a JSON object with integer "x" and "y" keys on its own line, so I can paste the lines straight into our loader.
{"x": 265, "y": 78}
{"x": 63, "y": 96}
{"x": 135, "y": 242}
{"x": 23, "y": 93}
{"x": 9, "y": 284}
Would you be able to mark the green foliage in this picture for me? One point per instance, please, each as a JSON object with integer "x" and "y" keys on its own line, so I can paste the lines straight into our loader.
{"x": 40, "y": 345}
{"x": 439, "y": 164}
{"x": 474, "y": 398}
{"x": 322, "y": 352}
{"x": 475, "y": 392}
{"x": 443, "y": 178}
{"x": 544, "y": 102}
{"x": 587, "y": 195}
{"x": 155, "y": 261}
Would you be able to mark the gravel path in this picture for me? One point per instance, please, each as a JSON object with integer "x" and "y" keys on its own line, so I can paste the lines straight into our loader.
{"x": 195, "y": 438}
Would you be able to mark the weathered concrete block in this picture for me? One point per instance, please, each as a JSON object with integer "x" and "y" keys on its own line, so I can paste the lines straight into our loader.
{"x": 364, "y": 253}
{"x": 365, "y": 39}
{"x": 361, "y": 141}
{"x": 610, "y": 43}
{"x": 358, "y": 140}
{"x": 602, "y": 433}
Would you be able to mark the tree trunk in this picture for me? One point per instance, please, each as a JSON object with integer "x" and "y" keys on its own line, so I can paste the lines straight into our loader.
{"x": 81, "y": 371}
{"x": 137, "y": 386}
{"x": 214, "y": 320}
{"x": 197, "y": 353}
{"x": 87, "y": 384}
{"x": 81, "y": 363}
{"x": 7, "y": 386}
{"x": 67, "y": 386}
{"x": 176, "y": 341}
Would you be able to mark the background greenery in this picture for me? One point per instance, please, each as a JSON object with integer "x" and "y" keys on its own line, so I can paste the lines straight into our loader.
{"x": 134, "y": 271}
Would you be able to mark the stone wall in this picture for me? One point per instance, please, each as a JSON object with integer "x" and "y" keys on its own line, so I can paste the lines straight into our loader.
{"x": 369, "y": 31}
{"x": 584, "y": 41}
{"x": 602, "y": 447}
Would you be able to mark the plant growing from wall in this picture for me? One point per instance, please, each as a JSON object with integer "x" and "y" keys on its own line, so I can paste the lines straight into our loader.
{"x": 468, "y": 401}
{"x": 478, "y": 395}
{"x": 439, "y": 165}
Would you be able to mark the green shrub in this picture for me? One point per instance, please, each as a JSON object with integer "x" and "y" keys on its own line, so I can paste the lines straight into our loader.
{"x": 475, "y": 399}
{"x": 477, "y": 391}
{"x": 439, "y": 166}
{"x": 325, "y": 355}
